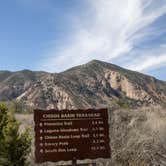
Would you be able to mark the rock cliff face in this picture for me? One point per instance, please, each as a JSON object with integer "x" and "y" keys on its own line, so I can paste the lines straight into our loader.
{"x": 121, "y": 83}
{"x": 95, "y": 84}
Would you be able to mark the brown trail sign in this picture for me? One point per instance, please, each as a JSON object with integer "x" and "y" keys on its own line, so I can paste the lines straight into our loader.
{"x": 67, "y": 135}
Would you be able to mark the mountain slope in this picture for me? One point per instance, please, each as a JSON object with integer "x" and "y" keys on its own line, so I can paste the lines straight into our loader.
{"x": 95, "y": 84}
{"x": 13, "y": 84}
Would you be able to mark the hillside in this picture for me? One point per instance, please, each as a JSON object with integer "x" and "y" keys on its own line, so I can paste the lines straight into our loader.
{"x": 95, "y": 84}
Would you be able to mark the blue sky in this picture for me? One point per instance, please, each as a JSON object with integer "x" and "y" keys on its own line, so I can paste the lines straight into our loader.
{"x": 54, "y": 35}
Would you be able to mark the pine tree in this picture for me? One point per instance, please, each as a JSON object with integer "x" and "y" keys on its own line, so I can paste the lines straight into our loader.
{"x": 14, "y": 146}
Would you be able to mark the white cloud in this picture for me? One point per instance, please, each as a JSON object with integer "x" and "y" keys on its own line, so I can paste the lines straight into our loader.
{"x": 112, "y": 31}
{"x": 148, "y": 62}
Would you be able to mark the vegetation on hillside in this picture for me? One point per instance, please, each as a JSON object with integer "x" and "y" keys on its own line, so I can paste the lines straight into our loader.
{"x": 17, "y": 107}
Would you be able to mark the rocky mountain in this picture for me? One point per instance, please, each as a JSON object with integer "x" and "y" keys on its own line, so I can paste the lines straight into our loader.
{"x": 95, "y": 84}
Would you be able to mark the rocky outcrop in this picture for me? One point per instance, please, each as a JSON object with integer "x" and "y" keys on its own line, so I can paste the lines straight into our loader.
{"x": 121, "y": 83}
{"x": 47, "y": 94}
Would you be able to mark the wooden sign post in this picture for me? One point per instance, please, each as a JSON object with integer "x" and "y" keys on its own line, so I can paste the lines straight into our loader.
{"x": 74, "y": 162}
{"x": 70, "y": 135}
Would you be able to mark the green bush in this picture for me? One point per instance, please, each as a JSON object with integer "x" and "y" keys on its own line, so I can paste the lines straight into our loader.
{"x": 14, "y": 146}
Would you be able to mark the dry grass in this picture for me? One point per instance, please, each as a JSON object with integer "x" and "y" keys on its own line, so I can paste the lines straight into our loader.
{"x": 138, "y": 137}
{"x": 26, "y": 120}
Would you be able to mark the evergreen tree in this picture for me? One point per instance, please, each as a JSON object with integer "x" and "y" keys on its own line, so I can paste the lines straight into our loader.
{"x": 14, "y": 146}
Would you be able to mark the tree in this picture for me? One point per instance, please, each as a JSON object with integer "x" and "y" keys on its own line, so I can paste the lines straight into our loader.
{"x": 14, "y": 146}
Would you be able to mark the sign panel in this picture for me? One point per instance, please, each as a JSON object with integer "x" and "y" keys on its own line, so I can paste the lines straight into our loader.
{"x": 67, "y": 135}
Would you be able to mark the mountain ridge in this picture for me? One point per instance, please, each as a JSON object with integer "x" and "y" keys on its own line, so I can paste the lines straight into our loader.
{"x": 94, "y": 84}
